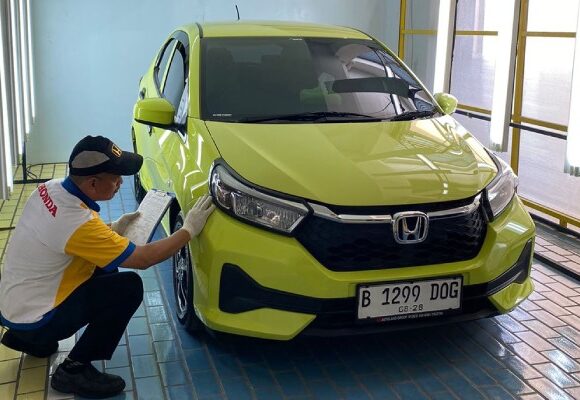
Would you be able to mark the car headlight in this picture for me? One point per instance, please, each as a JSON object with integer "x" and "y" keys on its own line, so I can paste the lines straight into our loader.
{"x": 502, "y": 188}
{"x": 250, "y": 205}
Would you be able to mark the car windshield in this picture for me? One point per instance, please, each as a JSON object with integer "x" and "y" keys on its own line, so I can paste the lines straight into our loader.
{"x": 306, "y": 79}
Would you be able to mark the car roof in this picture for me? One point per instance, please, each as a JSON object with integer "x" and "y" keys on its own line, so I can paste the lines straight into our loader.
{"x": 276, "y": 28}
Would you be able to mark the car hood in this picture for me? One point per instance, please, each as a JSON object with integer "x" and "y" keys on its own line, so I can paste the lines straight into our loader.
{"x": 370, "y": 163}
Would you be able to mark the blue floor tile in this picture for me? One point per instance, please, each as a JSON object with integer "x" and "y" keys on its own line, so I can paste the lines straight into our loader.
{"x": 140, "y": 345}
{"x": 156, "y": 314}
{"x": 205, "y": 384}
{"x": 227, "y": 366}
{"x": 268, "y": 394}
{"x": 173, "y": 373}
{"x": 188, "y": 341}
{"x": 291, "y": 383}
{"x": 259, "y": 375}
{"x": 182, "y": 392}
{"x": 322, "y": 389}
{"x": 354, "y": 393}
{"x": 144, "y": 366}
{"x": 428, "y": 382}
{"x": 153, "y": 298}
{"x": 149, "y": 388}
{"x": 166, "y": 351}
{"x": 377, "y": 386}
{"x": 237, "y": 389}
{"x": 161, "y": 332}
{"x": 497, "y": 393}
{"x": 197, "y": 360}
{"x": 138, "y": 326}
{"x": 408, "y": 391}
{"x": 510, "y": 382}
{"x": 120, "y": 358}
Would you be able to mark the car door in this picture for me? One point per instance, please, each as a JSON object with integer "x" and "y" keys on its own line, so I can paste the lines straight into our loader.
{"x": 150, "y": 86}
{"x": 174, "y": 89}
{"x": 173, "y": 82}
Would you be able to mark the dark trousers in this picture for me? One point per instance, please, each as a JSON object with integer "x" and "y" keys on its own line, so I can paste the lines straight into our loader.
{"x": 105, "y": 304}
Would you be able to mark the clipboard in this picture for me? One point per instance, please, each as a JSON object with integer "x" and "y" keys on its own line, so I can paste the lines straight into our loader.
{"x": 151, "y": 211}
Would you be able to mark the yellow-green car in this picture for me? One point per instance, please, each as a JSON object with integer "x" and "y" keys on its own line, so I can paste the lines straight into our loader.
{"x": 348, "y": 199}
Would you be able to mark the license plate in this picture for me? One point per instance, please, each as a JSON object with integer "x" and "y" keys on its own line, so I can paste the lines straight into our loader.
{"x": 403, "y": 300}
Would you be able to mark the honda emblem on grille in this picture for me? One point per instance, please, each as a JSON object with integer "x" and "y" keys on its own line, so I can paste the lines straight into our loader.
{"x": 410, "y": 227}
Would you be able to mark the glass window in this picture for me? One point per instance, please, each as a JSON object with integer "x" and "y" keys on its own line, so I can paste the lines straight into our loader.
{"x": 541, "y": 176}
{"x": 473, "y": 70}
{"x": 477, "y": 127}
{"x": 553, "y": 15}
{"x": 478, "y": 15}
{"x": 175, "y": 81}
{"x": 253, "y": 78}
{"x": 420, "y": 57}
{"x": 422, "y": 14}
{"x": 548, "y": 79}
{"x": 163, "y": 60}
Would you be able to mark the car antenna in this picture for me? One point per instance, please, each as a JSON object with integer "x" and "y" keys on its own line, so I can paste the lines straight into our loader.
{"x": 238, "y": 11}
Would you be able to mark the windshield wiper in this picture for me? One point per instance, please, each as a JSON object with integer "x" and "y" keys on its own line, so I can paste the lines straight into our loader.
{"x": 410, "y": 115}
{"x": 314, "y": 116}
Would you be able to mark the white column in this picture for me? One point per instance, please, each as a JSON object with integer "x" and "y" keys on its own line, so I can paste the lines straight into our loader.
{"x": 503, "y": 86}
{"x": 572, "y": 165}
{"x": 444, "y": 47}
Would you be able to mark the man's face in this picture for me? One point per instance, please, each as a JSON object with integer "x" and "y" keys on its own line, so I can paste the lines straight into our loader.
{"x": 105, "y": 186}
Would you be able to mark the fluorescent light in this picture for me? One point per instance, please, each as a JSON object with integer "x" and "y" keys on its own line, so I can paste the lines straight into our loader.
{"x": 30, "y": 63}
{"x": 444, "y": 45}
{"x": 24, "y": 66}
{"x": 17, "y": 75}
{"x": 572, "y": 165}
{"x": 503, "y": 85}
{"x": 6, "y": 182}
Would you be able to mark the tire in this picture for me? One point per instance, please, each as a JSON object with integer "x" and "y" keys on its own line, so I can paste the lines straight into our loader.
{"x": 138, "y": 189}
{"x": 183, "y": 285}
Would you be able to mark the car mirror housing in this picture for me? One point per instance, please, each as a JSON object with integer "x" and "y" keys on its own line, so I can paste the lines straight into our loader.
{"x": 157, "y": 112}
{"x": 447, "y": 102}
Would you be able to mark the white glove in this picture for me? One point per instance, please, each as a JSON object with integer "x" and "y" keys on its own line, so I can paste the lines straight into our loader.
{"x": 123, "y": 222}
{"x": 196, "y": 217}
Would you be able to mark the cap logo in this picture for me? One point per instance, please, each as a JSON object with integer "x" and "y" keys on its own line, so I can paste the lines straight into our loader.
{"x": 116, "y": 151}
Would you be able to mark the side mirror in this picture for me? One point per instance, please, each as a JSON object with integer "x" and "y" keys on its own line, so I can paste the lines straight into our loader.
{"x": 156, "y": 112}
{"x": 447, "y": 102}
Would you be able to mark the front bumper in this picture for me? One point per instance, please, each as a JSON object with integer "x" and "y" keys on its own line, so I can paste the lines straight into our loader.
{"x": 255, "y": 283}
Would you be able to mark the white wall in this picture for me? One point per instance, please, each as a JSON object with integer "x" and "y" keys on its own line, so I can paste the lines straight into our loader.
{"x": 379, "y": 18}
{"x": 89, "y": 55}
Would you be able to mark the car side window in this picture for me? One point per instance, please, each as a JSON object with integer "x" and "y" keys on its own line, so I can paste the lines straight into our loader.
{"x": 175, "y": 80}
{"x": 162, "y": 61}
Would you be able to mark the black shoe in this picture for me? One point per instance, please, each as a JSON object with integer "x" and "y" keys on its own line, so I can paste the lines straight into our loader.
{"x": 16, "y": 340}
{"x": 86, "y": 381}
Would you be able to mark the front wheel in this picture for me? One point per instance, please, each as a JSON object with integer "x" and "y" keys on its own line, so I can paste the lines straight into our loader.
{"x": 183, "y": 285}
{"x": 137, "y": 185}
{"x": 138, "y": 188}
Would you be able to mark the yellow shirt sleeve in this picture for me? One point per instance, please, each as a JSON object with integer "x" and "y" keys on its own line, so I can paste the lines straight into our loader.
{"x": 97, "y": 243}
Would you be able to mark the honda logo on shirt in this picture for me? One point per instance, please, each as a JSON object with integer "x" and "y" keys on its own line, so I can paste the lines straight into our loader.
{"x": 410, "y": 227}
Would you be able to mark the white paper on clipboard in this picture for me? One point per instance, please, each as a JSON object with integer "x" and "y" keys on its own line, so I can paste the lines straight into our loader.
{"x": 151, "y": 210}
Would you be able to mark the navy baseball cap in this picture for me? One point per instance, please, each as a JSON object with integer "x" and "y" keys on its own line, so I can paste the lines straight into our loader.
{"x": 96, "y": 154}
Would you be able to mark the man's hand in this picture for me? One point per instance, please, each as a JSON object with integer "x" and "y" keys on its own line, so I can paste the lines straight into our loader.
{"x": 196, "y": 217}
{"x": 123, "y": 222}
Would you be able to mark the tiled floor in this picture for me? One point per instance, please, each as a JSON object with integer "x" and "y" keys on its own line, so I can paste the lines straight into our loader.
{"x": 555, "y": 247}
{"x": 532, "y": 353}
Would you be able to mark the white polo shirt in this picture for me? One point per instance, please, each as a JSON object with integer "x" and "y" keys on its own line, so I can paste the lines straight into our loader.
{"x": 58, "y": 242}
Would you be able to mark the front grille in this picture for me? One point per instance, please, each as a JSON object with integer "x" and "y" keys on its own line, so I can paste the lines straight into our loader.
{"x": 353, "y": 247}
